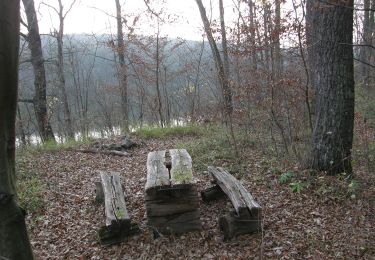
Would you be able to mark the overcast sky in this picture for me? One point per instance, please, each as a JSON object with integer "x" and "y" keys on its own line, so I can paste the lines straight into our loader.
{"x": 97, "y": 16}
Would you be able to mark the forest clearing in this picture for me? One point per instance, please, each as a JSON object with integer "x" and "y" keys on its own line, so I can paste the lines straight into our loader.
{"x": 200, "y": 129}
{"x": 329, "y": 217}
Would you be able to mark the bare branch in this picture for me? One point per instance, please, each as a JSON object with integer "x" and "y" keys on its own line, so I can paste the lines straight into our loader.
{"x": 150, "y": 9}
{"x": 26, "y": 100}
{"x": 52, "y": 7}
{"x": 70, "y": 8}
{"x": 364, "y": 62}
{"x": 326, "y": 2}
{"x": 360, "y": 45}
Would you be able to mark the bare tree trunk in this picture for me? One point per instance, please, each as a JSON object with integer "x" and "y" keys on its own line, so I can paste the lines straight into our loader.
{"x": 366, "y": 40}
{"x": 60, "y": 69}
{"x": 37, "y": 60}
{"x": 123, "y": 79}
{"x": 278, "y": 58}
{"x": 332, "y": 33}
{"x": 20, "y": 127}
{"x": 14, "y": 241}
{"x": 160, "y": 107}
{"x": 220, "y": 66}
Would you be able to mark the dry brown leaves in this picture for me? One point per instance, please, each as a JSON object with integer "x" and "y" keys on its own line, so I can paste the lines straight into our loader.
{"x": 296, "y": 226}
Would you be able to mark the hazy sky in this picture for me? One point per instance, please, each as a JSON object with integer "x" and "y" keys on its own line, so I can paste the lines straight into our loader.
{"x": 97, "y": 16}
{"x": 94, "y": 16}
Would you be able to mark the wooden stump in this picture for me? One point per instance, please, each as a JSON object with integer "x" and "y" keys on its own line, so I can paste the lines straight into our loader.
{"x": 118, "y": 225}
{"x": 172, "y": 202}
{"x": 212, "y": 193}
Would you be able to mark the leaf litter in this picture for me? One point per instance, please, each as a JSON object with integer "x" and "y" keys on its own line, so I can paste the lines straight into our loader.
{"x": 305, "y": 225}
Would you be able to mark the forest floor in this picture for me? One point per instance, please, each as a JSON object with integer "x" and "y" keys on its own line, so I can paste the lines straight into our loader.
{"x": 305, "y": 216}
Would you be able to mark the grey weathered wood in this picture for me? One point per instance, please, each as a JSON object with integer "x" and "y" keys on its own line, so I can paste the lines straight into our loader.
{"x": 242, "y": 201}
{"x": 176, "y": 224}
{"x": 181, "y": 167}
{"x": 247, "y": 214}
{"x": 118, "y": 225}
{"x": 115, "y": 207}
{"x": 172, "y": 202}
{"x": 157, "y": 172}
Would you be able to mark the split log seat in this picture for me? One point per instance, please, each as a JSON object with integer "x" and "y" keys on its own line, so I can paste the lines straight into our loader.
{"x": 247, "y": 214}
{"x": 118, "y": 225}
{"x": 172, "y": 199}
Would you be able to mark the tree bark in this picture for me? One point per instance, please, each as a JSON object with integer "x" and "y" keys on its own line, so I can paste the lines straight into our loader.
{"x": 331, "y": 32}
{"x": 366, "y": 40}
{"x": 60, "y": 69}
{"x": 160, "y": 104}
{"x": 14, "y": 241}
{"x": 37, "y": 60}
{"x": 123, "y": 68}
{"x": 220, "y": 67}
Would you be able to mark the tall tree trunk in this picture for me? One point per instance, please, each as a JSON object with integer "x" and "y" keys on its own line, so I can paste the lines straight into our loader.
{"x": 160, "y": 108}
{"x": 278, "y": 58}
{"x": 331, "y": 31}
{"x": 14, "y": 241}
{"x": 60, "y": 69}
{"x": 220, "y": 66}
{"x": 366, "y": 40}
{"x": 37, "y": 60}
{"x": 123, "y": 68}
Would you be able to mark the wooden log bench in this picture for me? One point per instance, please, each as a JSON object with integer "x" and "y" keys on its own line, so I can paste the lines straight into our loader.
{"x": 247, "y": 214}
{"x": 118, "y": 225}
{"x": 172, "y": 200}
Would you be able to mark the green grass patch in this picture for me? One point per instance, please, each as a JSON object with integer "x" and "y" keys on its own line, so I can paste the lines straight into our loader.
{"x": 172, "y": 131}
{"x": 51, "y": 146}
{"x": 29, "y": 188}
{"x": 215, "y": 148}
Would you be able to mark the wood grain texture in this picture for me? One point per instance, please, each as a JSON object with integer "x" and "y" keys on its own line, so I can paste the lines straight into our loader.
{"x": 157, "y": 172}
{"x": 118, "y": 225}
{"x": 243, "y": 202}
{"x": 114, "y": 199}
{"x": 181, "y": 168}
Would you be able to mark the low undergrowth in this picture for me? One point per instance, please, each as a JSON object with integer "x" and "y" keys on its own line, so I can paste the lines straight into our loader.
{"x": 170, "y": 131}
{"x": 29, "y": 188}
{"x": 216, "y": 148}
{"x": 52, "y": 146}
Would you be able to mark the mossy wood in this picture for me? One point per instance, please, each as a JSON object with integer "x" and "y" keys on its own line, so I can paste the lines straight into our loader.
{"x": 247, "y": 214}
{"x": 172, "y": 201}
{"x": 118, "y": 225}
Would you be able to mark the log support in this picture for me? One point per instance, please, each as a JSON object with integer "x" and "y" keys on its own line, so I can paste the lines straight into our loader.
{"x": 118, "y": 224}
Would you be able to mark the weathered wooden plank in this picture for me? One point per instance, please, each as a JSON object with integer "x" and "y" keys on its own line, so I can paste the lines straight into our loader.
{"x": 157, "y": 172}
{"x": 177, "y": 223}
{"x": 118, "y": 225}
{"x": 170, "y": 202}
{"x": 242, "y": 201}
{"x": 115, "y": 207}
{"x": 228, "y": 184}
{"x": 181, "y": 167}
